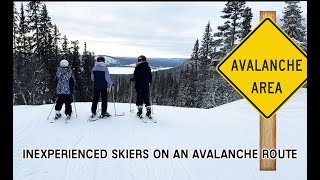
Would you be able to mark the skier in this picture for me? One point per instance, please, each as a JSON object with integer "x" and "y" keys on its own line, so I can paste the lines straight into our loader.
{"x": 101, "y": 82}
{"x": 65, "y": 87}
{"x": 142, "y": 77}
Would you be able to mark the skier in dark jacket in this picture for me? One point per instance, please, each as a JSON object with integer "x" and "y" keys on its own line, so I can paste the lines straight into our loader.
{"x": 101, "y": 81}
{"x": 142, "y": 77}
{"x": 65, "y": 88}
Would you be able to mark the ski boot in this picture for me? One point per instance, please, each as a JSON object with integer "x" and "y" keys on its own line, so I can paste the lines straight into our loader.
{"x": 139, "y": 113}
{"x": 93, "y": 115}
{"x": 104, "y": 115}
{"x": 148, "y": 114}
{"x": 58, "y": 115}
{"x": 67, "y": 119}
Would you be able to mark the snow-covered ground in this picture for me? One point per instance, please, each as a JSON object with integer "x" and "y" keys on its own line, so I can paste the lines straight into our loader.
{"x": 231, "y": 126}
{"x": 128, "y": 70}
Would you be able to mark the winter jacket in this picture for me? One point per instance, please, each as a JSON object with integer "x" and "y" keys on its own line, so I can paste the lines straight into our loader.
{"x": 66, "y": 81}
{"x": 142, "y": 75}
{"x": 100, "y": 76}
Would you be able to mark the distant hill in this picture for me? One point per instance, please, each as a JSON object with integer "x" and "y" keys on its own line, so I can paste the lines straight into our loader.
{"x": 153, "y": 61}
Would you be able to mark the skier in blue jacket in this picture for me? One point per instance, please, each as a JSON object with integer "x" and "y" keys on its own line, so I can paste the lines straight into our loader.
{"x": 65, "y": 87}
{"x": 101, "y": 81}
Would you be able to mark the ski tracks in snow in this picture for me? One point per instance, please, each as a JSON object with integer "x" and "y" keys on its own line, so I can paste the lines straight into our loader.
{"x": 80, "y": 168}
{"x": 74, "y": 166}
{"x": 88, "y": 137}
{"x": 173, "y": 161}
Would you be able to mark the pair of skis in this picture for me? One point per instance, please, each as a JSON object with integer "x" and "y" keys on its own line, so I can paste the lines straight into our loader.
{"x": 91, "y": 119}
{"x": 145, "y": 121}
{"x": 97, "y": 118}
{"x": 66, "y": 120}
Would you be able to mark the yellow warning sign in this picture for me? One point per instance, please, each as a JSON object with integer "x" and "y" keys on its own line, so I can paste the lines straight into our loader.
{"x": 267, "y": 67}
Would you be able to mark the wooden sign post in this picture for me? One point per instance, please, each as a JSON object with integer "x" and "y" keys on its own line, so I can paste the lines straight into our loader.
{"x": 267, "y": 126}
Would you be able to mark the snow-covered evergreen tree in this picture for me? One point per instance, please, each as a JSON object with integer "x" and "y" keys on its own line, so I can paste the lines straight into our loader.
{"x": 293, "y": 21}
{"x": 55, "y": 43}
{"x": 205, "y": 51}
{"x": 230, "y": 31}
{"x": 74, "y": 63}
{"x": 15, "y": 27}
{"x": 195, "y": 54}
{"x": 294, "y": 24}
{"x": 46, "y": 54}
{"x": 16, "y": 82}
{"x": 246, "y": 23}
{"x": 85, "y": 74}
{"x": 35, "y": 64}
{"x": 185, "y": 98}
{"x": 65, "y": 50}
{"x": 33, "y": 13}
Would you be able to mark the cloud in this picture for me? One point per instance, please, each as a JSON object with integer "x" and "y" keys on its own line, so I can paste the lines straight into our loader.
{"x": 154, "y": 28}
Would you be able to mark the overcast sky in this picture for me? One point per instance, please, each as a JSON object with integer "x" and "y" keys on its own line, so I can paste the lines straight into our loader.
{"x": 155, "y": 29}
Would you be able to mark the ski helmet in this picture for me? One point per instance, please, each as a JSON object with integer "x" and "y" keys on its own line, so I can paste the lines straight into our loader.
{"x": 142, "y": 58}
{"x": 64, "y": 63}
{"x": 100, "y": 59}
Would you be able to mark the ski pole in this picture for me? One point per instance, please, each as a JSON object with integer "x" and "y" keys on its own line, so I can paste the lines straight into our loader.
{"x": 52, "y": 108}
{"x": 114, "y": 102}
{"x": 130, "y": 96}
{"x": 150, "y": 98}
{"x": 74, "y": 103}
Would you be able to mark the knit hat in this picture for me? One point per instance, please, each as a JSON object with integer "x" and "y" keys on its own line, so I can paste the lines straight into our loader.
{"x": 64, "y": 63}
